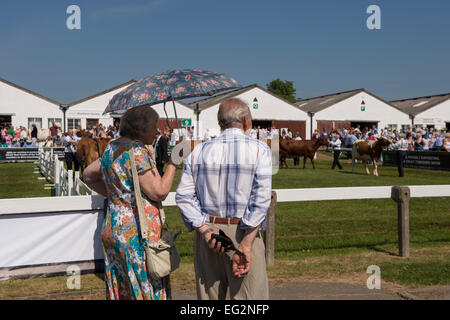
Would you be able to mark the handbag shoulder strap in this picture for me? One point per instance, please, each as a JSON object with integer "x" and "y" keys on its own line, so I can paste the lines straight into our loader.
{"x": 162, "y": 215}
{"x": 139, "y": 200}
{"x": 137, "y": 190}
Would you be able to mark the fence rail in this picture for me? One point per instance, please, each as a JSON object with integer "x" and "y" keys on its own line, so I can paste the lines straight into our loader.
{"x": 65, "y": 182}
{"x": 38, "y": 235}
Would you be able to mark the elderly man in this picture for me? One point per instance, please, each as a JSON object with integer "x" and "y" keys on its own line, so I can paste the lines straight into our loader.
{"x": 226, "y": 184}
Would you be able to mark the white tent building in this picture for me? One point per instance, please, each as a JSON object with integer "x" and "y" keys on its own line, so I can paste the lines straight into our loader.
{"x": 431, "y": 111}
{"x": 23, "y": 107}
{"x": 350, "y": 109}
{"x": 89, "y": 111}
{"x": 267, "y": 109}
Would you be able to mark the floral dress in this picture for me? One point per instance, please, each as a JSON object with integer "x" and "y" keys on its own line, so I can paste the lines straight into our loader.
{"x": 126, "y": 274}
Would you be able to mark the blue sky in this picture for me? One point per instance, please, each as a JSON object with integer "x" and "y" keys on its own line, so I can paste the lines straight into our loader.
{"x": 323, "y": 46}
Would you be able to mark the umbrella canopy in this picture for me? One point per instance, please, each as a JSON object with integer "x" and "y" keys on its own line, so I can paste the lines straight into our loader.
{"x": 171, "y": 85}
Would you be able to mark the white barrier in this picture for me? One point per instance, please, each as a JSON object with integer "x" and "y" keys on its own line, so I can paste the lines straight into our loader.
{"x": 40, "y": 235}
{"x": 64, "y": 182}
{"x": 37, "y": 235}
{"x": 349, "y": 193}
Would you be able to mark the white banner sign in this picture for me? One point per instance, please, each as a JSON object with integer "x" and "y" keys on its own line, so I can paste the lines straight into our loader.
{"x": 44, "y": 238}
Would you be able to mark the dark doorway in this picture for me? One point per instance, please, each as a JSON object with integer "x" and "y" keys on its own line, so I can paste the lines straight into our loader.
{"x": 90, "y": 123}
{"x": 263, "y": 124}
{"x": 447, "y": 124}
{"x": 364, "y": 125}
{"x": 5, "y": 121}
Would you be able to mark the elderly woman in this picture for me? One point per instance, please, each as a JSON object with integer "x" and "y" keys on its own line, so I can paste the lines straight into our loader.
{"x": 126, "y": 274}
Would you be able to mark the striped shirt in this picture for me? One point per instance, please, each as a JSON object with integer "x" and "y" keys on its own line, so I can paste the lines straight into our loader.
{"x": 230, "y": 177}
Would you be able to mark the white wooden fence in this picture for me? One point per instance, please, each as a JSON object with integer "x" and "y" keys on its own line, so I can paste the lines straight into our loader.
{"x": 65, "y": 182}
{"x": 43, "y": 236}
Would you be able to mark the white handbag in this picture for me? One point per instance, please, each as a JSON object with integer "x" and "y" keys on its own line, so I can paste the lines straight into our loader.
{"x": 161, "y": 257}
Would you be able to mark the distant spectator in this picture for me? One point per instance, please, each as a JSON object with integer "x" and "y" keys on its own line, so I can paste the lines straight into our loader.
{"x": 70, "y": 142}
{"x": 58, "y": 142}
{"x": 410, "y": 141}
{"x": 34, "y": 132}
{"x": 8, "y": 139}
{"x": 446, "y": 144}
{"x": 418, "y": 144}
{"x": 54, "y": 130}
{"x": 49, "y": 142}
{"x": 298, "y": 138}
{"x": 370, "y": 137}
{"x": 16, "y": 143}
{"x": 316, "y": 134}
{"x": 336, "y": 145}
{"x": 29, "y": 144}
{"x": 3, "y": 143}
{"x": 289, "y": 133}
{"x": 23, "y": 133}
{"x": 438, "y": 142}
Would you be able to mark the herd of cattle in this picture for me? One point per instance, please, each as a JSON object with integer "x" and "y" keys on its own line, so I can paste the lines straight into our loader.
{"x": 362, "y": 150}
{"x": 90, "y": 149}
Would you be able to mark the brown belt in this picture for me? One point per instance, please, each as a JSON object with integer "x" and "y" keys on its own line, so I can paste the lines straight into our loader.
{"x": 224, "y": 220}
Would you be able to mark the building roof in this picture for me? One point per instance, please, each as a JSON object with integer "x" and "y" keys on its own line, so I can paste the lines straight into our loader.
{"x": 317, "y": 104}
{"x": 211, "y": 101}
{"x": 29, "y": 91}
{"x": 102, "y": 92}
{"x": 414, "y": 106}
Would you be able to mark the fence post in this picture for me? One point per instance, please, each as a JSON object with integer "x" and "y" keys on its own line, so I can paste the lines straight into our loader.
{"x": 56, "y": 174}
{"x": 46, "y": 165}
{"x": 401, "y": 195}
{"x": 270, "y": 231}
{"x": 77, "y": 182}
{"x": 40, "y": 160}
{"x": 70, "y": 182}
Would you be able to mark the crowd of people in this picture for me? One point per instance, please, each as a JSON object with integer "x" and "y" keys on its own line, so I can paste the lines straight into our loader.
{"x": 417, "y": 139}
{"x": 411, "y": 139}
{"x": 21, "y": 137}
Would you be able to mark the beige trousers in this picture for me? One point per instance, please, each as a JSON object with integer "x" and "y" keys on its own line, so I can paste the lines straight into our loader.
{"x": 214, "y": 275}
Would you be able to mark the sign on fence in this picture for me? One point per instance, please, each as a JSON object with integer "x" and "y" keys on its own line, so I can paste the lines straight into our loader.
{"x": 25, "y": 154}
{"x": 420, "y": 160}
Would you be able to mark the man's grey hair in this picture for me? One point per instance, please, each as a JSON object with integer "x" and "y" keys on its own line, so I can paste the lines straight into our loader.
{"x": 232, "y": 112}
{"x": 137, "y": 120}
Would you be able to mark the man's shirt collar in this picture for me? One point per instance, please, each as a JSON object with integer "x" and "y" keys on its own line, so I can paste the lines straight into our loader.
{"x": 232, "y": 131}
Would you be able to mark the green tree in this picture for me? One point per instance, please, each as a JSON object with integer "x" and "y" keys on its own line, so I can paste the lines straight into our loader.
{"x": 284, "y": 89}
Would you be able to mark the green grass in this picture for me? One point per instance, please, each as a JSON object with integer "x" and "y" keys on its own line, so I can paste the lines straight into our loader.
{"x": 432, "y": 272}
{"x": 322, "y": 238}
{"x": 19, "y": 181}
{"x": 337, "y": 231}
{"x": 324, "y": 177}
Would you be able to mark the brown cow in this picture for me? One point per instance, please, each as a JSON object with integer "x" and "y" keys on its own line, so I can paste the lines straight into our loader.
{"x": 368, "y": 150}
{"x": 301, "y": 148}
{"x": 90, "y": 149}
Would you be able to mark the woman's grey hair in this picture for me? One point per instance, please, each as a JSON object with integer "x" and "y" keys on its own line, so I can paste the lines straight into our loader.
{"x": 137, "y": 120}
{"x": 232, "y": 112}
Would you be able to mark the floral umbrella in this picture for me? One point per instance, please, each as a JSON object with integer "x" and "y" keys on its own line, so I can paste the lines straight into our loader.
{"x": 170, "y": 86}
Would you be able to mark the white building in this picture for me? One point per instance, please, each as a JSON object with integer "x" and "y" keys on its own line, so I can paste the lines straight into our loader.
{"x": 23, "y": 107}
{"x": 431, "y": 111}
{"x": 350, "y": 109}
{"x": 89, "y": 111}
{"x": 267, "y": 109}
